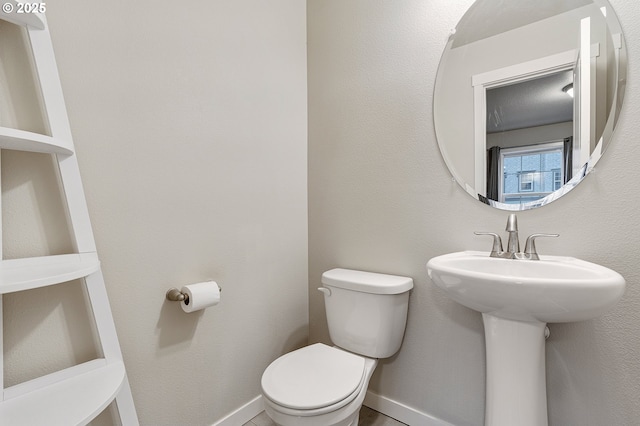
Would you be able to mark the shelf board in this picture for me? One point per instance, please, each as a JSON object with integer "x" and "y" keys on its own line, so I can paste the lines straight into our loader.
{"x": 34, "y": 272}
{"x": 33, "y": 20}
{"x": 70, "y": 397}
{"x": 21, "y": 140}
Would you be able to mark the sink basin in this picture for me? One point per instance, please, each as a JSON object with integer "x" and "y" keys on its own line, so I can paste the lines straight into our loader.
{"x": 552, "y": 289}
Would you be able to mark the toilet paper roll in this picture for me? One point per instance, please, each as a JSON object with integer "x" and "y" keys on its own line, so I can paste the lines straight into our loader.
{"x": 200, "y": 295}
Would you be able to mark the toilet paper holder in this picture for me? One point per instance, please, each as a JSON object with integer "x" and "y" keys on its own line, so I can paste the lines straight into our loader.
{"x": 175, "y": 295}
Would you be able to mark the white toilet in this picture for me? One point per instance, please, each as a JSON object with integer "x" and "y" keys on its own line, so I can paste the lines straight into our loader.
{"x": 320, "y": 385}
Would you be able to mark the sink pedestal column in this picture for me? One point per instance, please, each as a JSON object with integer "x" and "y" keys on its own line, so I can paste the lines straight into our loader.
{"x": 516, "y": 392}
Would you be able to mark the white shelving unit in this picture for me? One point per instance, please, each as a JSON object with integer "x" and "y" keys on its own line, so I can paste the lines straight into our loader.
{"x": 76, "y": 395}
{"x": 34, "y": 142}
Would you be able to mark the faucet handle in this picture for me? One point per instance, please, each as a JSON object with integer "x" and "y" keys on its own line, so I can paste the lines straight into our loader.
{"x": 497, "y": 242}
{"x": 530, "y": 251}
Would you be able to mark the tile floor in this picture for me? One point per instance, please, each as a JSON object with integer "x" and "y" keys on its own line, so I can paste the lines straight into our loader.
{"x": 368, "y": 417}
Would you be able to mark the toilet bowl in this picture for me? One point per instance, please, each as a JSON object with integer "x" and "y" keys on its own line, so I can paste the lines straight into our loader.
{"x": 318, "y": 385}
{"x": 321, "y": 385}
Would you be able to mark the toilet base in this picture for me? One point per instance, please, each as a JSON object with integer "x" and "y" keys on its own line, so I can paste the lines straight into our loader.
{"x": 310, "y": 421}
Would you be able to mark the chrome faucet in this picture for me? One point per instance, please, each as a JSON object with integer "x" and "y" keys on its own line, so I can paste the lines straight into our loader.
{"x": 513, "y": 243}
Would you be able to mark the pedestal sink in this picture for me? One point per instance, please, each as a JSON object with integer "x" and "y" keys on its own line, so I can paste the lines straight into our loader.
{"x": 517, "y": 298}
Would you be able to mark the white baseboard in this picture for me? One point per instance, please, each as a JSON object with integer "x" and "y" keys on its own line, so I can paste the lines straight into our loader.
{"x": 401, "y": 412}
{"x": 243, "y": 414}
{"x": 386, "y": 406}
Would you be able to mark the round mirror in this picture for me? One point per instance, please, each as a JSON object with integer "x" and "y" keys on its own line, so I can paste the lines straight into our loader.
{"x": 527, "y": 96}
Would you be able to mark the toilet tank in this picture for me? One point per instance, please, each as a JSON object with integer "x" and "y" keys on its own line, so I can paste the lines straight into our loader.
{"x": 366, "y": 311}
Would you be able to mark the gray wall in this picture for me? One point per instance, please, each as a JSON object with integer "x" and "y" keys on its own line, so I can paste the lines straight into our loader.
{"x": 190, "y": 127}
{"x": 381, "y": 199}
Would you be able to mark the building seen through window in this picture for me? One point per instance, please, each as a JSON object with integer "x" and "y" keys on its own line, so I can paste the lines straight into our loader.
{"x": 531, "y": 172}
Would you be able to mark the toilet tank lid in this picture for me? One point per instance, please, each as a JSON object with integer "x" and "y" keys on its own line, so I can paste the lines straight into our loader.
{"x": 367, "y": 282}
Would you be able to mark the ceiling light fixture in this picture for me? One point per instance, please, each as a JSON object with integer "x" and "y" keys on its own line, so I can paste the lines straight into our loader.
{"x": 568, "y": 89}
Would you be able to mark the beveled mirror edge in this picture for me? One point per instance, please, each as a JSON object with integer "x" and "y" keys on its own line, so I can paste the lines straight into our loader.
{"x": 615, "y": 29}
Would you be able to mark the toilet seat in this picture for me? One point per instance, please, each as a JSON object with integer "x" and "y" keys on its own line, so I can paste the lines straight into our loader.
{"x": 314, "y": 379}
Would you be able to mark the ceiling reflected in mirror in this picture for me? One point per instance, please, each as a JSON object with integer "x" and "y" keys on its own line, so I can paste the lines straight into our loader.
{"x": 537, "y": 102}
